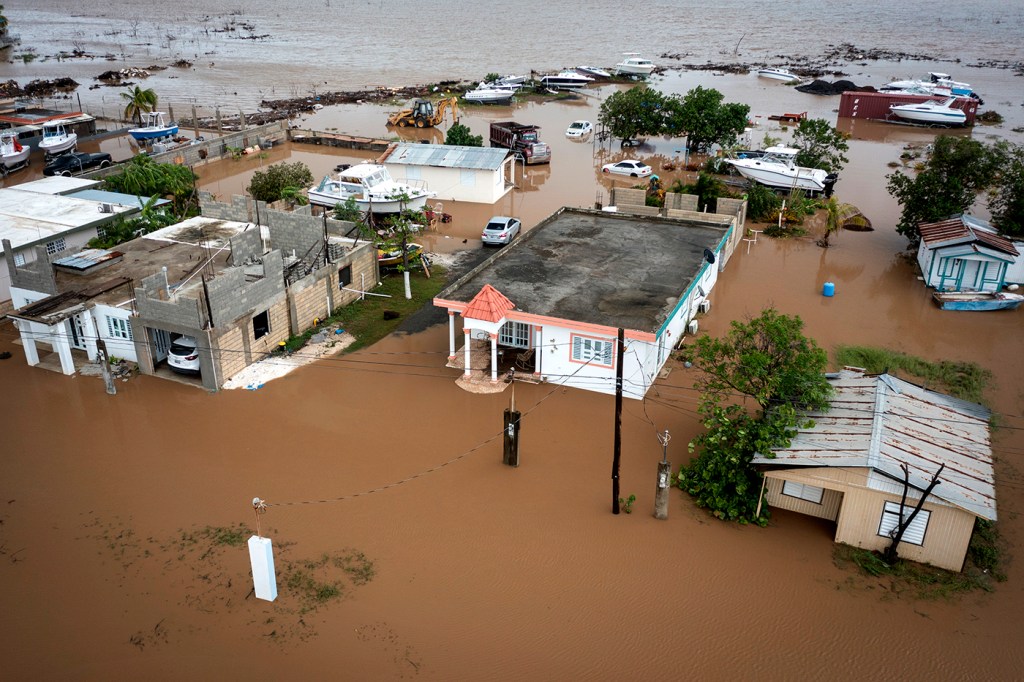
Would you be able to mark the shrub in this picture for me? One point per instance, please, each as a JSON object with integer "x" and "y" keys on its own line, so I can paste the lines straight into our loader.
{"x": 269, "y": 185}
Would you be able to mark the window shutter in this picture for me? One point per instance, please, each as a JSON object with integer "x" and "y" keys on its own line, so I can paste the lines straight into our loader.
{"x": 914, "y": 534}
{"x": 608, "y": 345}
{"x": 110, "y": 327}
{"x": 577, "y": 348}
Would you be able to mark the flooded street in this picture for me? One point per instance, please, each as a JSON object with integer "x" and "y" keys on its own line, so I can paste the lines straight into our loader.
{"x": 481, "y": 571}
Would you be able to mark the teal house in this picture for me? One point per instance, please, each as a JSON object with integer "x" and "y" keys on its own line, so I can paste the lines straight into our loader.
{"x": 964, "y": 253}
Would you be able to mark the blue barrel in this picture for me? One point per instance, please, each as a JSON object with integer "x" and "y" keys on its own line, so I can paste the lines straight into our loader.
{"x": 829, "y": 289}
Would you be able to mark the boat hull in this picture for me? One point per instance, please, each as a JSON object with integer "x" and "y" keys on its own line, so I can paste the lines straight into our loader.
{"x": 331, "y": 199}
{"x": 563, "y": 83}
{"x": 16, "y": 159}
{"x": 153, "y": 133}
{"x": 490, "y": 97}
{"x": 775, "y": 74}
{"x": 781, "y": 176}
{"x": 633, "y": 70}
{"x": 932, "y": 117}
{"x": 60, "y": 145}
{"x": 977, "y": 301}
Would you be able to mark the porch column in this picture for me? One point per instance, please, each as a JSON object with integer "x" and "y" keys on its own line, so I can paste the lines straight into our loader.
{"x": 28, "y": 343}
{"x": 494, "y": 357}
{"x": 538, "y": 350}
{"x": 63, "y": 348}
{"x": 451, "y": 335}
{"x": 465, "y": 333}
{"x": 90, "y": 330}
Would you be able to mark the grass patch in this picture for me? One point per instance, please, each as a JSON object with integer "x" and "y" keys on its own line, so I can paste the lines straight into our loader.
{"x": 365, "y": 319}
{"x": 315, "y": 582}
{"x": 982, "y": 567}
{"x": 358, "y": 567}
{"x": 964, "y": 380}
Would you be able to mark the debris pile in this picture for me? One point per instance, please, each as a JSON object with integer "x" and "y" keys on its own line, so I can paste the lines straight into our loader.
{"x": 820, "y": 87}
{"x": 116, "y": 77}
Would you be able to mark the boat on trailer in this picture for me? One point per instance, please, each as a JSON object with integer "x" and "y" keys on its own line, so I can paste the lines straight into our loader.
{"x": 154, "y": 127}
{"x": 13, "y": 154}
{"x": 977, "y": 300}
{"x": 57, "y": 139}
{"x": 371, "y": 187}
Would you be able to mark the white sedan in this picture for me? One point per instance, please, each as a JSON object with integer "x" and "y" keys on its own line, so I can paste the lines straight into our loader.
{"x": 579, "y": 129}
{"x": 630, "y": 167}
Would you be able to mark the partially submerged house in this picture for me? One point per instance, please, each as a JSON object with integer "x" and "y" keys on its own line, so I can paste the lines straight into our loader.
{"x": 454, "y": 173}
{"x": 237, "y": 286}
{"x": 553, "y": 301}
{"x": 965, "y": 253}
{"x": 847, "y": 467}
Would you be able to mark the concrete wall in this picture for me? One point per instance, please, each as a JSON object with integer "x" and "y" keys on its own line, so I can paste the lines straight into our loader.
{"x": 231, "y": 296}
{"x": 295, "y": 233}
{"x": 246, "y": 246}
{"x": 680, "y": 202}
{"x": 319, "y": 294}
{"x": 236, "y": 346}
{"x": 36, "y": 274}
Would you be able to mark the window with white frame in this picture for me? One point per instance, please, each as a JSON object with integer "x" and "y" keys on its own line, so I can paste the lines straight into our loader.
{"x": 914, "y": 534}
{"x": 56, "y": 246}
{"x": 119, "y": 328}
{"x": 19, "y": 259}
{"x": 595, "y": 351}
{"x": 803, "y": 491}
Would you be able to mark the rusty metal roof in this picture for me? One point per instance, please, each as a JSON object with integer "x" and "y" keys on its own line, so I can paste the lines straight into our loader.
{"x": 881, "y": 422}
{"x": 964, "y": 228}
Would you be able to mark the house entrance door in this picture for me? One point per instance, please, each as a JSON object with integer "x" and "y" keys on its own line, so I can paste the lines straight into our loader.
{"x": 161, "y": 344}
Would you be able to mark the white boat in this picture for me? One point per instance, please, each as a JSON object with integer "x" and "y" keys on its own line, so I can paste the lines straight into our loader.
{"x": 932, "y": 112}
{"x": 57, "y": 139}
{"x": 511, "y": 80}
{"x": 777, "y": 168}
{"x": 13, "y": 154}
{"x": 593, "y": 71}
{"x": 566, "y": 80}
{"x": 779, "y": 75}
{"x": 634, "y": 65}
{"x": 372, "y": 188}
{"x": 154, "y": 127}
{"x": 490, "y": 93}
{"x": 934, "y": 83}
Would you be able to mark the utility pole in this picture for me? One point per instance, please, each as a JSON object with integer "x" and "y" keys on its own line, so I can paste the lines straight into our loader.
{"x": 108, "y": 379}
{"x": 618, "y": 421}
{"x": 664, "y": 475}
{"x": 510, "y": 455}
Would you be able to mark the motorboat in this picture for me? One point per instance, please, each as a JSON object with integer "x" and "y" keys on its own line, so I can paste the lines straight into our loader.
{"x": 779, "y": 75}
{"x": 977, "y": 300}
{"x": 566, "y": 80}
{"x": 13, "y": 154}
{"x": 490, "y": 93}
{"x": 154, "y": 127}
{"x": 511, "y": 80}
{"x": 57, "y": 139}
{"x": 776, "y": 167}
{"x": 931, "y": 112}
{"x": 593, "y": 72}
{"x": 935, "y": 83}
{"x": 634, "y": 65}
{"x": 371, "y": 187}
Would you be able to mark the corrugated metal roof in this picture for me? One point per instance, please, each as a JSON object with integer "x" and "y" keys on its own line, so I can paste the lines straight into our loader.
{"x": 87, "y": 258}
{"x": 882, "y": 422}
{"x": 964, "y": 229}
{"x": 448, "y": 156}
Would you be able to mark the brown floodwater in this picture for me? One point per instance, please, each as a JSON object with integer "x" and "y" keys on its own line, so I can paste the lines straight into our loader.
{"x": 483, "y": 571}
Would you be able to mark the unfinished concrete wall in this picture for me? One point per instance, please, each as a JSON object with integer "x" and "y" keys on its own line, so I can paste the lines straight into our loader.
{"x": 241, "y": 209}
{"x": 155, "y": 310}
{"x": 625, "y": 196}
{"x": 733, "y": 207}
{"x": 35, "y": 276}
{"x": 232, "y": 296}
{"x": 320, "y": 293}
{"x": 246, "y": 246}
{"x": 680, "y": 202}
{"x": 295, "y": 233}
{"x": 237, "y": 346}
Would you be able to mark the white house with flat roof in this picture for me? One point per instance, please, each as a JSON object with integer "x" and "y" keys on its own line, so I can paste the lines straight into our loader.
{"x": 479, "y": 175}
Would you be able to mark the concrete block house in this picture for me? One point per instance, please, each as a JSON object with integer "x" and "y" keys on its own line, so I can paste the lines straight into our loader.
{"x": 552, "y": 302}
{"x": 239, "y": 279}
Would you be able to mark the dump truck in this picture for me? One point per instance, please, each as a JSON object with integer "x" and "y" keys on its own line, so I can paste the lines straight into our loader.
{"x": 423, "y": 113}
{"x": 520, "y": 138}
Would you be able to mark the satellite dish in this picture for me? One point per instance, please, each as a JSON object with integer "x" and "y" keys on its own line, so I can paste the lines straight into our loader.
{"x": 709, "y": 255}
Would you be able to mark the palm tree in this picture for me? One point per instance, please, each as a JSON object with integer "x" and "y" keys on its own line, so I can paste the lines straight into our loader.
{"x": 139, "y": 101}
{"x": 834, "y": 214}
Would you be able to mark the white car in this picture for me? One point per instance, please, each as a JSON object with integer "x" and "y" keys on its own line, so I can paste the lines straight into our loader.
{"x": 579, "y": 129}
{"x": 183, "y": 355}
{"x": 500, "y": 230}
{"x": 630, "y": 167}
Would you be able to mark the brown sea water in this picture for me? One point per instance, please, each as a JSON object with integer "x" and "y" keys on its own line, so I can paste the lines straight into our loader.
{"x": 482, "y": 571}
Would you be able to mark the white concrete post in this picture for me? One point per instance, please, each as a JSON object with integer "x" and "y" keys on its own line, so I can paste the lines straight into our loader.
{"x": 466, "y": 333}
{"x": 63, "y": 348}
{"x": 264, "y": 577}
{"x": 91, "y": 331}
{"x": 451, "y": 335}
{"x": 494, "y": 357}
{"x": 538, "y": 350}
{"x": 29, "y": 344}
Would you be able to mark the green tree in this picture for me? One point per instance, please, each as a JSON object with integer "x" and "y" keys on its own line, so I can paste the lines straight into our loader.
{"x": 348, "y": 210}
{"x": 769, "y": 360}
{"x": 294, "y": 196}
{"x": 459, "y": 134}
{"x": 269, "y": 185}
{"x": 946, "y": 185}
{"x": 701, "y": 115}
{"x": 144, "y": 177}
{"x": 834, "y": 212}
{"x": 762, "y": 203}
{"x": 138, "y": 102}
{"x": 1006, "y": 199}
{"x": 149, "y": 219}
{"x": 632, "y": 113}
{"x": 820, "y": 145}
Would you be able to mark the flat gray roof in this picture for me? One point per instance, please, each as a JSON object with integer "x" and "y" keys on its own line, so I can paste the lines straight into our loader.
{"x": 58, "y": 184}
{"x": 609, "y": 269}
{"x": 447, "y": 156}
{"x": 32, "y": 218}
{"x": 106, "y": 197}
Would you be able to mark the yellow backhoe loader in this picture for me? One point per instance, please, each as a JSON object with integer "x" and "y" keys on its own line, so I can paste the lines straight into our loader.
{"x": 425, "y": 114}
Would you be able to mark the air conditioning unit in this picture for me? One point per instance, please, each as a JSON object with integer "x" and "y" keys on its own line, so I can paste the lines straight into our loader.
{"x": 106, "y": 208}
{"x": 704, "y": 306}
{"x": 692, "y": 327}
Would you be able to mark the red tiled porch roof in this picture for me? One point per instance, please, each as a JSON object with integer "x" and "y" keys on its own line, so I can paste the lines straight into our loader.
{"x": 490, "y": 305}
